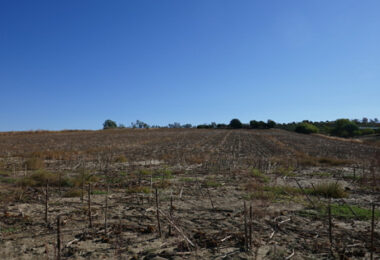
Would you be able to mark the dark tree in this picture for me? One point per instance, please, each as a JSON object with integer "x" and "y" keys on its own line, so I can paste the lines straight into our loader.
{"x": 235, "y": 123}
{"x": 108, "y": 124}
{"x": 345, "y": 128}
{"x": 262, "y": 125}
{"x": 254, "y": 124}
{"x": 271, "y": 124}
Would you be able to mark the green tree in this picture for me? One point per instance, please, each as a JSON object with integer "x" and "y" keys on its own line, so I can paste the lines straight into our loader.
{"x": 306, "y": 128}
{"x": 254, "y": 124}
{"x": 235, "y": 123}
{"x": 345, "y": 128}
{"x": 271, "y": 124}
{"x": 109, "y": 124}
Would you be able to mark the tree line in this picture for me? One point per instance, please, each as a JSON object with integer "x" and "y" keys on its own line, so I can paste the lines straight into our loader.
{"x": 339, "y": 127}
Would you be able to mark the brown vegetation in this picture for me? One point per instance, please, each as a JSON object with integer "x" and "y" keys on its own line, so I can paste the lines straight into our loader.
{"x": 102, "y": 185}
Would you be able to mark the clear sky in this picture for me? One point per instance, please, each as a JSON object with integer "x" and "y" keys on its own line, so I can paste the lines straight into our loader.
{"x": 72, "y": 64}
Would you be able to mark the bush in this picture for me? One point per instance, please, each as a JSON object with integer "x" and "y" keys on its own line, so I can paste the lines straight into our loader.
{"x": 333, "y": 161}
{"x": 34, "y": 163}
{"x": 75, "y": 192}
{"x": 235, "y": 123}
{"x": 121, "y": 159}
{"x": 367, "y": 131}
{"x": 328, "y": 190}
{"x": 306, "y": 128}
{"x": 259, "y": 176}
{"x": 39, "y": 178}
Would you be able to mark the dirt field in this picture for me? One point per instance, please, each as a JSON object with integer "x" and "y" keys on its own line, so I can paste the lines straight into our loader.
{"x": 188, "y": 194}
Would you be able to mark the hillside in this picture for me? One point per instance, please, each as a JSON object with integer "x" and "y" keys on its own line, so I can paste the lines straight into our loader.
{"x": 187, "y": 194}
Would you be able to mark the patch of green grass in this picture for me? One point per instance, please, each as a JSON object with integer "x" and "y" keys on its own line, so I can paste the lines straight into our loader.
{"x": 166, "y": 173}
{"x": 8, "y": 180}
{"x": 271, "y": 193}
{"x": 282, "y": 190}
{"x": 162, "y": 174}
{"x": 145, "y": 172}
{"x": 187, "y": 179}
{"x": 258, "y": 175}
{"x": 5, "y": 173}
{"x": 98, "y": 192}
{"x": 341, "y": 212}
{"x": 8, "y": 230}
{"x": 138, "y": 189}
{"x": 123, "y": 174}
{"x": 212, "y": 183}
{"x": 285, "y": 171}
{"x": 260, "y": 195}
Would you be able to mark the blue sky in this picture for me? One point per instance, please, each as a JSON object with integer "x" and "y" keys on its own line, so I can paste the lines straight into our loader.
{"x": 72, "y": 64}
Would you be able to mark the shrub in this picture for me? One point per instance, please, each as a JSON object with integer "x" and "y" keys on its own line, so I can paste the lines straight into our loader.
{"x": 85, "y": 178}
{"x": 121, "y": 159}
{"x": 34, "y": 163}
{"x": 367, "y": 131}
{"x": 259, "y": 176}
{"x": 306, "y": 128}
{"x": 235, "y": 123}
{"x": 333, "y": 161}
{"x": 328, "y": 190}
{"x": 138, "y": 189}
{"x": 212, "y": 183}
{"x": 39, "y": 178}
{"x": 72, "y": 193}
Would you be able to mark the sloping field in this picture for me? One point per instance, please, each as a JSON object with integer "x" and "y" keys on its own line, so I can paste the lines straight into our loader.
{"x": 187, "y": 194}
{"x": 172, "y": 145}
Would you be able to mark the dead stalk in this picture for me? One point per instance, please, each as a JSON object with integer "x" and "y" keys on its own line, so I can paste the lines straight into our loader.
{"x": 372, "y": 229}
{"x": 46, "y": 201}
{"x": 209, "y": 196}
{"x": 245, "y": 228}
{"x": 250, "y": 225}
{"x": 303, "y": 191}
{"x": 158, "y": 215}
{"x": 106, "y": 210}
{"x": 330, "y": 225}
{"x": 170, "y": 214}
{"x": 89, "y": 206}
{"x": 58, "y": 237}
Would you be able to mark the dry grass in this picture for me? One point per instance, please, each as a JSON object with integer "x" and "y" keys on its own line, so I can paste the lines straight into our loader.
{"x": 34, "y": 163}
{"x": 328, "y": 190}
{"x": 41, "y": 177}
